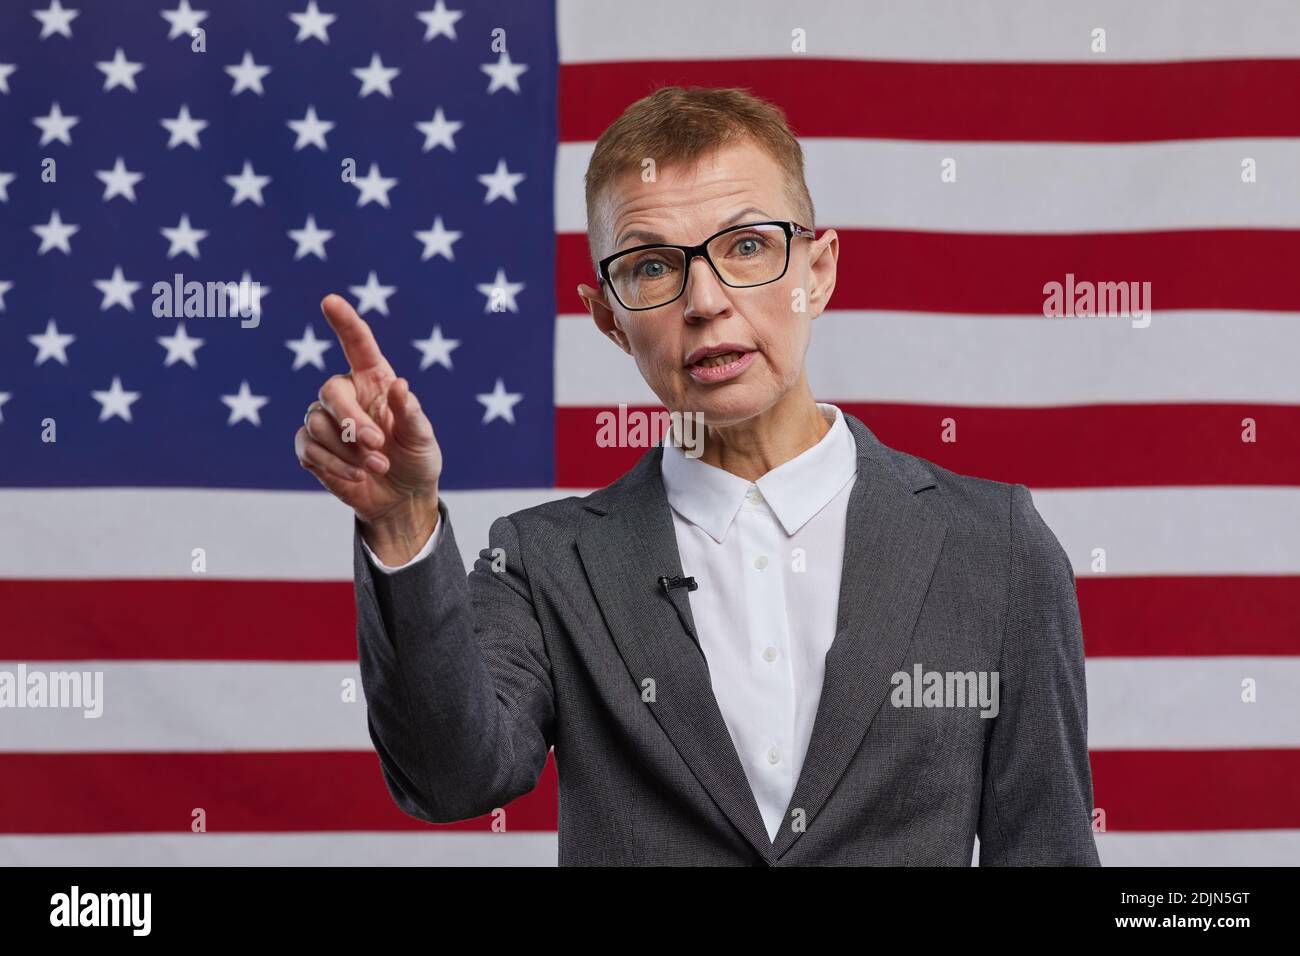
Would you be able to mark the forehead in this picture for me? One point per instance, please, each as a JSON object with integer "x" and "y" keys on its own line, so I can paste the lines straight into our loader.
{"x": 687, "y": 201}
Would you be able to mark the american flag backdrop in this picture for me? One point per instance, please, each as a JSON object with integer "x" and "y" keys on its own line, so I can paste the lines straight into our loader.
{"x": 425, "y": 160}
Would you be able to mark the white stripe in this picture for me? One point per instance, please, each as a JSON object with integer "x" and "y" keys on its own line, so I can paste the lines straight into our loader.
{"x": 1133, "y": 704}
{"x": 198, "y": 706}
{"x": 1049, "y": 31}
{"x": 1222, "y": 848}
{"x": 1192, "y": 703}
{"x": 997, "y": 361}
{"x": 107, "y": 533}
{"x": 1238, "y": 530}
{"x": 1022, "y": 187}
{"x": 283, "y": 849}
{"x": 246, "y": 535}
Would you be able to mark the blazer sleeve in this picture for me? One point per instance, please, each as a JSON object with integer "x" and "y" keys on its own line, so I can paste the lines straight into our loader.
{"x": 1036, "y": 805}
{"x": 459, "y": 699}
{"x": 425, "y": 550}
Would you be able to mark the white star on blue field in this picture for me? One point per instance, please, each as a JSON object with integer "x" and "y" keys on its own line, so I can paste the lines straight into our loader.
{"x": 166, "y": 161}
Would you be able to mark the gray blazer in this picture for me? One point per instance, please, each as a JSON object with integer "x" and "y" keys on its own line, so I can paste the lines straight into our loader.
{"x": 470, "y": 682}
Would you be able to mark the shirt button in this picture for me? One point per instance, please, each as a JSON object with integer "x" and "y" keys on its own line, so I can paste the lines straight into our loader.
{"x": 769, "y": 654}
{"x": 760, "y": 562}
{"x": 774, "y": 754}
{"x": 754, "y": 495}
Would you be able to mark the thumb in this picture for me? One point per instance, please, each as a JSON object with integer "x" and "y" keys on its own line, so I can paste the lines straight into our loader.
{"x": 411, "y": 428}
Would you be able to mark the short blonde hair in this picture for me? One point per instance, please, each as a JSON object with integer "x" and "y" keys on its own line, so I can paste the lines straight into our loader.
{"x": 676, "y": 124}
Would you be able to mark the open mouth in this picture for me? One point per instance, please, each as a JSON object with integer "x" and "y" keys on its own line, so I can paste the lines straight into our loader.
{"x": 721, "y": 366}
{"x": 713, "y": 361}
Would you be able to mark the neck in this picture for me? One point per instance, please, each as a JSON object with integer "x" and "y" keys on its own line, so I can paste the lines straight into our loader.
{"x": 753, "y": 447}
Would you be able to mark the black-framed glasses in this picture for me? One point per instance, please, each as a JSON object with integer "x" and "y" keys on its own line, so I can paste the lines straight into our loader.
{"x": 750, "y": 254}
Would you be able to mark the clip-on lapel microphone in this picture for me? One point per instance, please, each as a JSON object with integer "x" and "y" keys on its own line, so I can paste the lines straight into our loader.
{"x": 669, "y": 584}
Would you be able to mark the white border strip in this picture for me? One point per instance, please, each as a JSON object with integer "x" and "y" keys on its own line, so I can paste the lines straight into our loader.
{"x": 283, "y": 849}
{"x": 1226, "y": 848}
{"x": 1220, "y": 848}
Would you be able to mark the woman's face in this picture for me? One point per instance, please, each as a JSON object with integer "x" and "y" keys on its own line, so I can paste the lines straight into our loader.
{"x": 769, "y": 325}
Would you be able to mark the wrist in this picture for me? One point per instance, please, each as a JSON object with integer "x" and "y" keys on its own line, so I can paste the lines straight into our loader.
{"x": 398, "y": 535}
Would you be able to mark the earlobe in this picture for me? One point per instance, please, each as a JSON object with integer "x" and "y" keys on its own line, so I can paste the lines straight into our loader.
{"x": 619, "y": 338}
{"x": 603, "y": 316}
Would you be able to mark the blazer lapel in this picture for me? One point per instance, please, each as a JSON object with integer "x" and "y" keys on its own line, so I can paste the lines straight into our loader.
{"x": 892, "y": 544}
{"x": 627, "y": 543}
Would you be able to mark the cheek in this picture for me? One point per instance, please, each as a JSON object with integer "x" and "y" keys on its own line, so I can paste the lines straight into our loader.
{"x": 784, "y": 332}
{"x": 655, "y": 353}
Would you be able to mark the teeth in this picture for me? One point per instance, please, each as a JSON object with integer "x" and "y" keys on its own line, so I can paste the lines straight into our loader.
{"x": 715, "y": 360}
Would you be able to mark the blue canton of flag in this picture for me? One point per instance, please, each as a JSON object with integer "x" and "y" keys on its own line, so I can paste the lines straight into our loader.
{"x": 399, "y": 154}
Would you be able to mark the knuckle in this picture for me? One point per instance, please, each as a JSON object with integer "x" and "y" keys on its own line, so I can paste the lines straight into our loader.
{"x": 331, "y": 389}
{"x": 312, "y": 424}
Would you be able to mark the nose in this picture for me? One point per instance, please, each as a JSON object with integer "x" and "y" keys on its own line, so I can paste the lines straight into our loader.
{"x": 705, "y": 295}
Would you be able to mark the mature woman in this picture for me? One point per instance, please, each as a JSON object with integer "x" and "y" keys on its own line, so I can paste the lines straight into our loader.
{"x": 800, "y": 646}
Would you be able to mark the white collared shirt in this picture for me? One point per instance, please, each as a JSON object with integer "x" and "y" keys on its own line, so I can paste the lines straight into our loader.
{"x": 767, "y": 556}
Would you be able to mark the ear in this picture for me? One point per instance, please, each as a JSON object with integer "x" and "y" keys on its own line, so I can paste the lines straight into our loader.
{"x": 603, "y": 315}
{"x": 822, "y": 261}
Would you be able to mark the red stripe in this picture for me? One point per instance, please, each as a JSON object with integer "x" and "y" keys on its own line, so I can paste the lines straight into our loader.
{"x": 1168, "y": 790}
{"x": 1065, "y": 102}
{"x": 1098, "y": 446}
{"x": 297, "y": 792}
{"x": 1207, "y": 616}
{"x": 976, "y": 273}
{"x": 1092, "y": 446}
{"x": 1248, "y": 616}
{"x": 238, "y": 792}
{"x": 178, "y": 620}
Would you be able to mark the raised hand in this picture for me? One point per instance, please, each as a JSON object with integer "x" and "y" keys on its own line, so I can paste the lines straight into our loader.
{"x": 369, "y": 443}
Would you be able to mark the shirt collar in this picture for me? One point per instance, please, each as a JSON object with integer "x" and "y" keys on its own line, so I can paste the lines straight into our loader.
{"x": 709, "y": 497}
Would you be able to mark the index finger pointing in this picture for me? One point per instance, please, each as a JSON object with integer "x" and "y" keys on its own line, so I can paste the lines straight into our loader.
{"x": 359, "y": 345}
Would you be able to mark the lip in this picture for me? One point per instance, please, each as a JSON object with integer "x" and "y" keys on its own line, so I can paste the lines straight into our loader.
{"x": 721, "y": 348}
{"x": 722, "y": 373}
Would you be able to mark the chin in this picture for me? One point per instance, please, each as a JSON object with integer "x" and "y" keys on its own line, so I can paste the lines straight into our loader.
{"x": 731, "y": 403}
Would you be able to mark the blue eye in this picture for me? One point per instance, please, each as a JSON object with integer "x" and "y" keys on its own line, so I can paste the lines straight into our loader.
{"x": 650, "y": 269}
{"x": 748, "y": 246}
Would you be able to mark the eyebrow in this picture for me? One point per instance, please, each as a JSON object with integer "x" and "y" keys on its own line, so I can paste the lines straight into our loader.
{"x": 648, "y": 236}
